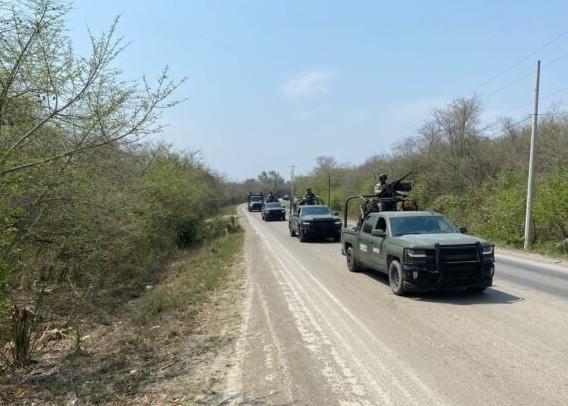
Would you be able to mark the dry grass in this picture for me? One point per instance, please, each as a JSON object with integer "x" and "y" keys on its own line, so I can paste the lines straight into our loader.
{"x": 150, "y": 343}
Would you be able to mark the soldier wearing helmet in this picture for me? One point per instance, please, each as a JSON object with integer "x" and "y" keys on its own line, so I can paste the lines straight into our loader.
{"x": 375, "y": 204}
{"x": 379, "y": 187}
{"x": 271, "y": 198}
{"x": 309, "y": 197}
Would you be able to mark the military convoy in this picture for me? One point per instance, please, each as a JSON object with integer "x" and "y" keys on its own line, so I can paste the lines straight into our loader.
{"x": 417, "y": 250}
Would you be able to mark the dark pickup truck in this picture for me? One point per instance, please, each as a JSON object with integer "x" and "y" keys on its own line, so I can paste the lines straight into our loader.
{"x": 255, "y": 201}
{"x": 419, "y": 251}
{"x": 273, "y": 211}
{"x": 314, "y": 221}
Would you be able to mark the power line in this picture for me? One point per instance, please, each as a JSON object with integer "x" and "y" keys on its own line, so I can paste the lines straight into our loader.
{"x": 554, "y": 113}
{"x": 509, "y": 84}
{"x": 524, "y": 76}
{"x": 555, "y": 93}
{"x": 523, "y": 59}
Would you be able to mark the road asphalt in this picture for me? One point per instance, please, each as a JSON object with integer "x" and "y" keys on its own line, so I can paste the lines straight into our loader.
{"x": 313, "y": 333}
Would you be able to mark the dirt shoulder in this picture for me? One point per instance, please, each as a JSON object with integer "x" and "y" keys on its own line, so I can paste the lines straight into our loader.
{"x": 170, "y": 346}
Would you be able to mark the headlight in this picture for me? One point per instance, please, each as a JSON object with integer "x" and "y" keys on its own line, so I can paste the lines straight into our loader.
{"x": 487, "y": 250}
{"x": 338, "y": 222}
{"x": 306, "y": 223}
{"x": 411, "y": 253}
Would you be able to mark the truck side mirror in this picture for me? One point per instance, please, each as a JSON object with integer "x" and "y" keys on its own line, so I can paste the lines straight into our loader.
{"x": 463, "y": 229}
{"x": 378, "y": 233}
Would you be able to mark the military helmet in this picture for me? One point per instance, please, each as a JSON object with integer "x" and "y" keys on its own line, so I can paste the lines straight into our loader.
{"x": 308, "y": 190}
{"x": 383, "y": 176}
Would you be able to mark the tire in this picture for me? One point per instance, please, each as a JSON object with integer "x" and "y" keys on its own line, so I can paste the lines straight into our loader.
{"x": 352, "y": 263}
{"x": 303, "y": 237}
{"x": 337, "y": 238}
{"x": 396, "y": 278}
{"x": 283, "y": 218}
{"x": 292, "y": 232}
{"x": 476, "y": 289}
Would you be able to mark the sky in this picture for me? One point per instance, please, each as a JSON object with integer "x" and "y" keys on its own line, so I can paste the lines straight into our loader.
{"x": 276, "y": 83}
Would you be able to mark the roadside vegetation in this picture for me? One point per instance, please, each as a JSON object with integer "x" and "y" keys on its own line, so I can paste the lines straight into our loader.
{"x": 90, "y": 216}
{"x": 474, "y": 174}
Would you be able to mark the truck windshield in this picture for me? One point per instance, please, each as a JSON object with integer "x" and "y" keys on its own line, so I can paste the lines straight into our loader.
{"x": 273, "y": 205}
{"x": 311, "y": 211}
{"x": 421, "y": 225}
{"x": 256, "y": 198}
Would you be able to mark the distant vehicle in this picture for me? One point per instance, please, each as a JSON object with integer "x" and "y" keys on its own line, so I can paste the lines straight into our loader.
{"x": 273, "y": 211}
{"x": 316, "y": 221}
{"x": 255, "y": 201}
{"x": 286, "y": 197}
{"x": 419, "y": 251}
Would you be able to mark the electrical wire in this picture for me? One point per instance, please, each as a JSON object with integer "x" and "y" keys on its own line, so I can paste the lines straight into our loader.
{"x": 520, "y": 61}
{"x": 554, "y": 93}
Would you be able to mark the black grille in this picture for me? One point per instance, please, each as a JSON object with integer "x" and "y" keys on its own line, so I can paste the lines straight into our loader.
{"x": 459, "y": 264}
{"x": 459, "y": 254}
{"x": 322, "y": 226}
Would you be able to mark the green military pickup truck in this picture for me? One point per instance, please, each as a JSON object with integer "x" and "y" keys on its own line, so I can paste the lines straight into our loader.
{"x": 419, "y": 251}
{"x": 314, "y": 221}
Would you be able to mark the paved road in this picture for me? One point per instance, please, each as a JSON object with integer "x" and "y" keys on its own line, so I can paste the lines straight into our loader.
{"x": 313, "y": 333}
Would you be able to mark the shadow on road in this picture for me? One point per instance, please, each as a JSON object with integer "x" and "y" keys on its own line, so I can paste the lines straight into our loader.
{"x": 322, "y": 241}
{"x": 460, "y": 297}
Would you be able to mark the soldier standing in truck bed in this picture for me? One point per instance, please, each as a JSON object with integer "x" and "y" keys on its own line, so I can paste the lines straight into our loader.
{"x": 271, "y": 198}
{"x": 379, "y": 187}
{"x": 309, "y": 198}
{"x": 373, "y": 204}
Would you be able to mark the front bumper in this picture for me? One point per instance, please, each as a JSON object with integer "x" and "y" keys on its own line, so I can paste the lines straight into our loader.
{"x": 420, "y": 279}
{"x": 274, "y": 215}
{"x": 255, "y": 207}
{"x": 328, "y": 232}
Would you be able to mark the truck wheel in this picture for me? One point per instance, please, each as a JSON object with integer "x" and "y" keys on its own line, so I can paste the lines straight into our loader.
{"x": 292, "y": 232}
{"x": 337, "y": 238}
{"x": 352, "y": 264}
{"x": 396, "y": 278}
{"x": 302, "y": 235}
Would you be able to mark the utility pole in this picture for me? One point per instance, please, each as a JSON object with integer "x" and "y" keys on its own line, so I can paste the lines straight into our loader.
{"x": 329, "y": 190}
{"x": 530, "y": 184}
{"x": 292, "y": 186}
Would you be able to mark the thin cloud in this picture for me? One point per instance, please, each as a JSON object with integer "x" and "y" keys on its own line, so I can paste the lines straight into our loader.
{"x": 306, "y": 84}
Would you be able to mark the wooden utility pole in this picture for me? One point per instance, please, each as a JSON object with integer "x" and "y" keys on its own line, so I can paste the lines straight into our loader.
{"x": 292, "y": 187}
{"x": 531, "y": 183}
{"x": 329, "y": 190}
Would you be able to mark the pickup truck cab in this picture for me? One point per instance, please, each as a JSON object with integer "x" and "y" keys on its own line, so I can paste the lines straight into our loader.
{"x": 419, "y": 251}
{"x": 314, "y": 221}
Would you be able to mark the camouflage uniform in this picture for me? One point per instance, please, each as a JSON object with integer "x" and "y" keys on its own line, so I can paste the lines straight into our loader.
{"x": 309, "y": 198}
{"x": 271, "y": 198}
{"x": 379, "y": 187}
{"x": 368, "y": 207}
{"x": 374, "y": 204}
